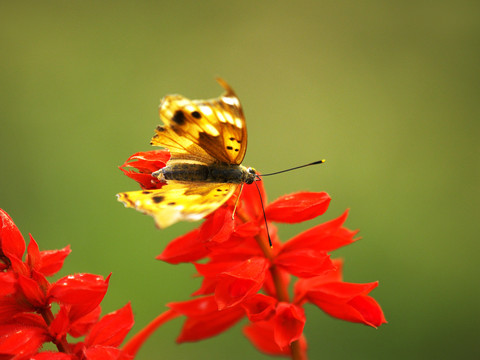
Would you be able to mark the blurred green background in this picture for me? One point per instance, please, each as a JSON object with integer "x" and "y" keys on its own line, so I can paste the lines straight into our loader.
{"x": 387, "y": 92}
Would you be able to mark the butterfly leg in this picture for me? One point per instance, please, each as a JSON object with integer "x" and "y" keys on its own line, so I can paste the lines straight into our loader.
{"x": 236, "y": 201}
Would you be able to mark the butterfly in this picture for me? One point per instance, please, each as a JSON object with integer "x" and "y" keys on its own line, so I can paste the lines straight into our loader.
{"x": 207, "y": 140}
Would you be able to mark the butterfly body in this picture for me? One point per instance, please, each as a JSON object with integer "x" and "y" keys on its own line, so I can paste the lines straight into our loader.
{"x": 212, "y": 173}
{"x": 207, "y": 141}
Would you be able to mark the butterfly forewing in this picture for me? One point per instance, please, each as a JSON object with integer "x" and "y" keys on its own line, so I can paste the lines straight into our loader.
{"x": 180, "y": 147}
{"x": 216, "y": 126}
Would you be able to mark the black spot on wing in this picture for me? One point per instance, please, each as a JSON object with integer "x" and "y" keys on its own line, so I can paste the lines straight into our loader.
{"x": 196, "y": 114}
{"x": 157, "y": 199}
{"x": 179, "y": 117}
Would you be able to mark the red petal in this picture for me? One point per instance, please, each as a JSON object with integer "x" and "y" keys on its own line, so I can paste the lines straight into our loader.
{"x": 9, "y": 307}
{"x": 82, "y": 325}
{"x": 32, "y": 291}
{"x": 148, "y": 161}
{"x": 304, "y": 262}
{"x": 18, "y": 266}
{"x": 105, "y": 353}
{"x": 303, "y": 286}
{"x": 48, "y": 355}
{"x": 244, "y": 280}
{"x": 112, "y": 328}
{"x": 261, "y": 335}
{"x": 288, "y": 322}
{"x": 218, "y": 227}
{"x": 250, "y": 200}
{"x": 7, "y": 283}
{"x": 33, "y": 254}
{"x": 83, "y": 291}
{"x": 297, "y": 207}
{"x": 146, "y": 181}
{"x": 259, "y": 307}
{"x": 11, "y": 240}
{"x": 213, "y": 268}
{"x": 204, "y": 320}
{"x": 348, "y": 302}
{"x": 195, "y": 329}
{"x": 342, "y": 291}
{"x": 21, "y": 340}
{"x": 52, "y": 260}
{"x": 59, "y": 326}
{"x": 326, "y": 237}
{"x": 248, "y": 229}
{"x": 186, "y": 248}
{"x": 195, "y": 308}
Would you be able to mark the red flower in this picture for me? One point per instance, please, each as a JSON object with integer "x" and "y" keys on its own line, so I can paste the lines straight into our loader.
{"x": 240, "y": 281}
{"x": 346, "y": 301}
{"x": 26, "y": 296}
{"x": 146, "y": 163}
{"x": 240, "y": 264}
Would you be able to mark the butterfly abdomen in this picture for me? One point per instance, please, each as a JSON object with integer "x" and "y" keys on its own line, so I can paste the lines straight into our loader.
{"x": 215, "y": 173}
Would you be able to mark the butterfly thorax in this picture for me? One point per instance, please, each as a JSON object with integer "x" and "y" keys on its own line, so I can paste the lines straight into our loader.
{"x": 212, "y": 173}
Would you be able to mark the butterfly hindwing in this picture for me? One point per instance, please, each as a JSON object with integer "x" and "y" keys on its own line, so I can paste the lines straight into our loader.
{"x": 178, "y": 201}
{"x": 209, "y": 130}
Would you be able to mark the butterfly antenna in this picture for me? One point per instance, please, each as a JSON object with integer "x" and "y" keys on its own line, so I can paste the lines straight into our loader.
{"x": 295, "y": 168}
{"x": 236, "y": 201}
{"x": 264, "y": 216}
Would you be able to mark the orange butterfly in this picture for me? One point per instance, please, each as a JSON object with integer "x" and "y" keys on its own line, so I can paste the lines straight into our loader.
{"x": 207, "y": 140}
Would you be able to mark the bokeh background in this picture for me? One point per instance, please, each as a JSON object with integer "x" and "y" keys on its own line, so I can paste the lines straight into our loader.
{"x": 387, "y": 92}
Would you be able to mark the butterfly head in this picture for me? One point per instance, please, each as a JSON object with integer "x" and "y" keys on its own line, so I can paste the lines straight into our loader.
{"x": 251, "y": 176}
